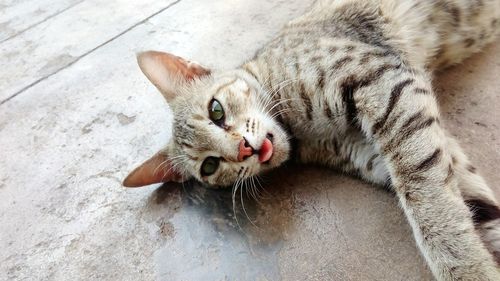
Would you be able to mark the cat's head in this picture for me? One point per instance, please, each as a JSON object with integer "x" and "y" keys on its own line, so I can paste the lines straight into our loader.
{"x": 223, "y": 125}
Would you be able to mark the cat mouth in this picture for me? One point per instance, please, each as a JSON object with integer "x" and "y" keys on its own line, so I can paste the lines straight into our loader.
{"x": 266, "y": 150}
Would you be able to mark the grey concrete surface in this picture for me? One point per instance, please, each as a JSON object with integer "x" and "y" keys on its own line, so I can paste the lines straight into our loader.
{"x": 76, "y": 115}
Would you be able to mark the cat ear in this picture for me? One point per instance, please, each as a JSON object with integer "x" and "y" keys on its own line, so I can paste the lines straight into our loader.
{"x": 155, "y": 170}
{"x": 167, "y": 71}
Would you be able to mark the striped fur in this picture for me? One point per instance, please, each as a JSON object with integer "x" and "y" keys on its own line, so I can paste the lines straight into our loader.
{"x": 350, "y": 80}
{"x": 380, "y": 82}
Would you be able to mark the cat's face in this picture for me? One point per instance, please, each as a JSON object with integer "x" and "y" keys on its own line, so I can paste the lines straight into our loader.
{"x": 223, "y": 126}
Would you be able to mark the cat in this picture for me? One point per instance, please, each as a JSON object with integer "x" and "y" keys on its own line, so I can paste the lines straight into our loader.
{"x": 349, "y": 85}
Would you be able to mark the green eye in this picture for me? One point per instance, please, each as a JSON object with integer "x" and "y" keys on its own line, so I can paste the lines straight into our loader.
{"x": 215, "y": 111}
{"x": 209, "y": 166}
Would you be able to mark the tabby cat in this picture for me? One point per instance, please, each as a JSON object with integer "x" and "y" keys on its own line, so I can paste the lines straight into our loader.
{"x": 349, "y": 83}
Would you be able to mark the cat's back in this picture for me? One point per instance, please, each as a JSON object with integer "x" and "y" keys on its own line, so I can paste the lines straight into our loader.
{"x": 431, "y": 33}
{"x": 339, "y": 42}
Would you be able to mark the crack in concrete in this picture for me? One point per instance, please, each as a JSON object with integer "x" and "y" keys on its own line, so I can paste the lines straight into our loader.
{"x": 42, "y": 21}
{"x": 88, "y": 52}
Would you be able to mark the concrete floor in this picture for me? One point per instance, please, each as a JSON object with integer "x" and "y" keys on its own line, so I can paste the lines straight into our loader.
{"x": 76, "y": 115}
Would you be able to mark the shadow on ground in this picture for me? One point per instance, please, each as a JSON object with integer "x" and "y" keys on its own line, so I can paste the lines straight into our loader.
{"x": 315, "y": 229}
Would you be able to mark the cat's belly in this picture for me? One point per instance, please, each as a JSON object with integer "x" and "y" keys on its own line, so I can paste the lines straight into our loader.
{"x": 347, "y": 150}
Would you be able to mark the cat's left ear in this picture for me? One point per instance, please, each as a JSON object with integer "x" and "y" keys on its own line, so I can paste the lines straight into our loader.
{"x": 167, "y": 72}
{"x": 156, "y": 169}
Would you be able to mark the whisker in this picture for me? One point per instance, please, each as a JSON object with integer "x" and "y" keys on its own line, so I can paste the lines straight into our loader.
{"x": 174, "y": 167}
{"x": 279, "y": 87}
{"x": 243, "y": 205}
{"x": 270, "y": 95}
{"x": 254, "y": 189}
{"x": 166, "y": 161}
{"x": 262, "y": 188}
{"x": 251, "y": 188}
{"x": 233, "y": 197}
{"x": 280, "y": 103}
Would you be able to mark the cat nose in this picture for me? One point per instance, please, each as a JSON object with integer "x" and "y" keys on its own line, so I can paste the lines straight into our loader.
{"x": 245, "y": 150}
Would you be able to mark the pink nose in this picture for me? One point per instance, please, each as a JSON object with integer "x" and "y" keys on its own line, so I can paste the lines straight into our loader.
{"x": 245, "y": 150}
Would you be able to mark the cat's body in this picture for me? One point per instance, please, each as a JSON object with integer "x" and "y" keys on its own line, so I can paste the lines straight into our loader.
{"x": 351, "y": 81}
{"x": 320, "y": 59}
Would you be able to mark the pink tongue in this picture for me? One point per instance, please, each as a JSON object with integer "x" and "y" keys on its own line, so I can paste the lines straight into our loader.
{"x": 266, "y": 151}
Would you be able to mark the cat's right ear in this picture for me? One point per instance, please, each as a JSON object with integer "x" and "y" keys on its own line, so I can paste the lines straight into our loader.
{"x": 167, "y": 72}
{"x": 156, "y": 169}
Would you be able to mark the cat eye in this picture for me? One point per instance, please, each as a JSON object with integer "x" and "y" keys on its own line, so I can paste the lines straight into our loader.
{"x": 216, "y": 112}
{"x": 209, "y": 166}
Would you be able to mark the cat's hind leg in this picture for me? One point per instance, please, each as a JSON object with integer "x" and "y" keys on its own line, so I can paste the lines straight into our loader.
{"x": 438, "y": 34}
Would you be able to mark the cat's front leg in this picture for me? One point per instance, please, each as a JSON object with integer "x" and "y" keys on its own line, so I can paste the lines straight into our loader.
{"x": 400, "y": 114}
{"x": 480, "y": 199}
